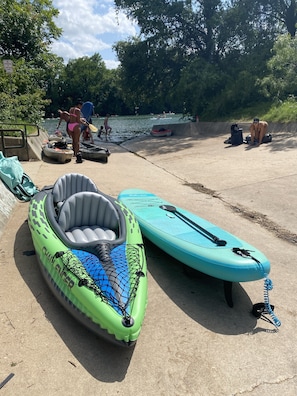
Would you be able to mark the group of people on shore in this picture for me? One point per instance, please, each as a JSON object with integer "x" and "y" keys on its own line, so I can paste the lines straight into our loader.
{"x": 77, "y": 125}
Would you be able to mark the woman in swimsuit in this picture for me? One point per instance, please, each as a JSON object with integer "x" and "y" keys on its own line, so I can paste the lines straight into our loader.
{"x": 73, "y": 127}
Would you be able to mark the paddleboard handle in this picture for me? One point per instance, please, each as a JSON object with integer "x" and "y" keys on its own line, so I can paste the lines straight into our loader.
{"x": 214, "y": 238}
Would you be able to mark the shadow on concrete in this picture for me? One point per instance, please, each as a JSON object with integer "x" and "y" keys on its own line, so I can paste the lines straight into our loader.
{"x": 48, "y": 160}
{"x": 200, "y": 296}
{"x": 185, "y": 137}
{"x": 104, "y": 361}
{"x": 158, "y": 146}
{"x": 282, "y": 141}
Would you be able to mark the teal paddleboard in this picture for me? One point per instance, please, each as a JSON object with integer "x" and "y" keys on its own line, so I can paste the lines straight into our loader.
{"x": 195, "y": 241}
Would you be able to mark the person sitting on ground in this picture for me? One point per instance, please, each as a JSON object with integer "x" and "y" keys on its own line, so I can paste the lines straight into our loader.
{"x": 258, "y": 129}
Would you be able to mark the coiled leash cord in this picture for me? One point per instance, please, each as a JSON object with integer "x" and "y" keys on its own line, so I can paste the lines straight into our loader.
{"x": 261, "y": 309}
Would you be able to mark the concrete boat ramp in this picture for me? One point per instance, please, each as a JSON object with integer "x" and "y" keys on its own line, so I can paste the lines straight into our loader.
{"x": 191, "y": 342}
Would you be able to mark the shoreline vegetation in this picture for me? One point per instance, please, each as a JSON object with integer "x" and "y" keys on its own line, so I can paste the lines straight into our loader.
{"x": 282, "y": 112}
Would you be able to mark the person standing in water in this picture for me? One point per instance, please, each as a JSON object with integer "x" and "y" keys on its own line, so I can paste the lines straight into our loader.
{"x": 108, "y": 129}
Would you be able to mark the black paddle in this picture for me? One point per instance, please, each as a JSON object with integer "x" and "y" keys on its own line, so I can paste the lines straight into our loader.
{"x": 172, "y": 209}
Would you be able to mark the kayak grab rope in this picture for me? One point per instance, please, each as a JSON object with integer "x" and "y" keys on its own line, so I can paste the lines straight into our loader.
{"x": 260, "y": 309}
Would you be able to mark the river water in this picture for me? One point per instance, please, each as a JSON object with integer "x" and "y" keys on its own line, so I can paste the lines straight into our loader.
{"x": 123, "y": 127}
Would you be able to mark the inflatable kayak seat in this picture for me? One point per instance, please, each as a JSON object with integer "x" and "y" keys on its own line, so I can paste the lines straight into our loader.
{"x": 88, "y": 217}
{"x": 70, "y": 184}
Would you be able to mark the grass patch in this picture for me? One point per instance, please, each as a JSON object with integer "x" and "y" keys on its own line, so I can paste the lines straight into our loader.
{"x": 246, "y": 114}
{"x": 284, "y": 112}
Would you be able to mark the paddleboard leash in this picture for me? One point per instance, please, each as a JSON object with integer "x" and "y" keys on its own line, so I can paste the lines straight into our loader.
{"x": 261, "y": 309}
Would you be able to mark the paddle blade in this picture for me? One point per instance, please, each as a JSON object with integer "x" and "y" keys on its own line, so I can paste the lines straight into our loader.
{"x": 93, "y": 128}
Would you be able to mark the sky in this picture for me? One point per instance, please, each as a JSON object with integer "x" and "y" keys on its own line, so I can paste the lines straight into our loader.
{"x": 89, "y": 27}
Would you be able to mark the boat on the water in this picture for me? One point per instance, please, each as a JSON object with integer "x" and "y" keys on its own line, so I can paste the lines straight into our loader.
{"x": 161, "y": 132}
{"x": 90, "y": 251}
{"x": 93, "y": 152}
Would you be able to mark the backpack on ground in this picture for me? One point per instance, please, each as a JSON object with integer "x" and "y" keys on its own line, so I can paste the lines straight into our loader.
{"x": 236, "y": 135}
{"x": 15, "y": 179}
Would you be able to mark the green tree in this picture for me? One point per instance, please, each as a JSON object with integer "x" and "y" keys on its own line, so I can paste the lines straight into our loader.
{"x": 278, "y": 14}
{"x": 281, "y": 81}
{"x": 112, "y": 99}
{"x": 27, "y": 28}
{"x": 89, "y": 79}
{"x": 191, "y": 26}
{"x": 26, "y": 31}
{"x": 206, "y": 54}
{"x": 23, "y": 91}
{"x": 148, "y": 74}
{"x": 199, "y": 83}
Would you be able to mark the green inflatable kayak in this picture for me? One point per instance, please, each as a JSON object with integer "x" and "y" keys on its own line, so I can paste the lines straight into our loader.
{"x": 90, "y": 250}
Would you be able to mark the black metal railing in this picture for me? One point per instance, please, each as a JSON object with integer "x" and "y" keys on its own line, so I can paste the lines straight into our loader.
{"x": 15, "y": 136}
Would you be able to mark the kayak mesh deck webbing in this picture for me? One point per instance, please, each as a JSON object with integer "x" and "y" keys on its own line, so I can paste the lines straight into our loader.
{"x": 113, "y": 274}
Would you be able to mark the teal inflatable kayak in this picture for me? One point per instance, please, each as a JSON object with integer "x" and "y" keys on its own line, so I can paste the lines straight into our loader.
{"x": 193, "y": 240}
{"x": 90, "y": 250}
